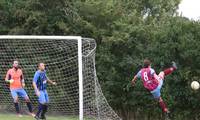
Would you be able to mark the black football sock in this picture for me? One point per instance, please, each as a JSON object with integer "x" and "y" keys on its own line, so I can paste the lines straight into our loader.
{"x": 45, "y": 107}
{"x": 29, "y": 107}
{"x": 40, "y": 107}
{"x": 17, "y": 107}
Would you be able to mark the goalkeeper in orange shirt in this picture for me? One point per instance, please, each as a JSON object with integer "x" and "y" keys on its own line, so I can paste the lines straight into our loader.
{"x": 15, "y": 77}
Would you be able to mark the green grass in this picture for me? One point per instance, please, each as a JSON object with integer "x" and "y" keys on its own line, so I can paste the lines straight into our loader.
{"x": 25, "y": 117}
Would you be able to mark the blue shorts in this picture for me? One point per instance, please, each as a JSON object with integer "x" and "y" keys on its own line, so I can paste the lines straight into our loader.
{"x": 156, "y": 92}
{"x": 43, "y": 98}
{"x": 18, "y": 92}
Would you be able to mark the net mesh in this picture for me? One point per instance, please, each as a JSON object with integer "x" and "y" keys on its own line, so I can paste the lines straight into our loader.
{"x": 61, "y": 59}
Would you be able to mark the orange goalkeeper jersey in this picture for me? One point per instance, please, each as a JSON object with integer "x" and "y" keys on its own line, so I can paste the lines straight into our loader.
{"x": 17, "y": 76}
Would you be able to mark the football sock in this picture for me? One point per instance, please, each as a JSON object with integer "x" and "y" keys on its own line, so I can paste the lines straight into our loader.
{"x": 17, "y": 107}
{"x": 29, "y": 107}
{"x": 169, "y": 70}
{"x": 45, "y": 107}
{"x": 163, "y": 106}
{"x": 40, "y": 108}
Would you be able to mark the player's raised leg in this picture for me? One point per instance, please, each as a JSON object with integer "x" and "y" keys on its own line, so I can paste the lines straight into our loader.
{"x": 168, "y": 71}
{"x": 171, "y": 69}
{"x": 162, "y": 75}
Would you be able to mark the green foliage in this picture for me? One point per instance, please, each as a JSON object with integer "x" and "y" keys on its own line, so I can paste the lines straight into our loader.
{"x": 127, "y": 31}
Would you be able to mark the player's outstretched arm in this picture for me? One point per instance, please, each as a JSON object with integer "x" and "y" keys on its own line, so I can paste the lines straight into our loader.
{"x": 134, "y": 80}
{"x": 53, "y": 83}
{"x": 50, "y": 81}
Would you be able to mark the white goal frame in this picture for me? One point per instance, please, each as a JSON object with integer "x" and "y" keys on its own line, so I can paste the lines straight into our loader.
{"x": 80, "y": 63}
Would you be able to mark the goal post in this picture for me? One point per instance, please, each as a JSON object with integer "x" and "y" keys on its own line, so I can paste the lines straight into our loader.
{"x": 80, "y": 72}
{"x": 70, "y": 60}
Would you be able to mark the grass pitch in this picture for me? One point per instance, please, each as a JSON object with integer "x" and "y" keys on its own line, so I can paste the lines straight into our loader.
{"x": 25, "y": 117}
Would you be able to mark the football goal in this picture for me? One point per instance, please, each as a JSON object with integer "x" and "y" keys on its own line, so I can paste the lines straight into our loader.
{"x": 70, "y": 61}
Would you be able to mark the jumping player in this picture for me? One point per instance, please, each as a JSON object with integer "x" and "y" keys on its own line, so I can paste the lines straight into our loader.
{"x": 15, "y": 77}
{"x": 153, "y": 82}
{"x": 40, "y": 85}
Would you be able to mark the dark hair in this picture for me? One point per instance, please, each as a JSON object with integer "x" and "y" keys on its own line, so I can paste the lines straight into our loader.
{"x": 147, "y": 63}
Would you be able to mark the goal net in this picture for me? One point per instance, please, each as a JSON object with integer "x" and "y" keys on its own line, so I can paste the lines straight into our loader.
{"x": 70, "y": 62}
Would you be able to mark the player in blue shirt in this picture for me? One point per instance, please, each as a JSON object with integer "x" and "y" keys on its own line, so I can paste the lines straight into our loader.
{"x": 40, "y": 85}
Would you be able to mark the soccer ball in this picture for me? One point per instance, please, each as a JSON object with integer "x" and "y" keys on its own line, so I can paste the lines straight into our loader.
{"x": 195, "y": 85}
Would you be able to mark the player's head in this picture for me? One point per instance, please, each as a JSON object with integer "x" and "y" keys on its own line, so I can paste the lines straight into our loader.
{"x": 147, "y": 63}
{"x": 15, "y": 64}
{"x": 41, "y": 66}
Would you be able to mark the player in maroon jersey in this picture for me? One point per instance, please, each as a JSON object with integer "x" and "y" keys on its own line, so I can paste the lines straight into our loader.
{"x": 153, "y": 82}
